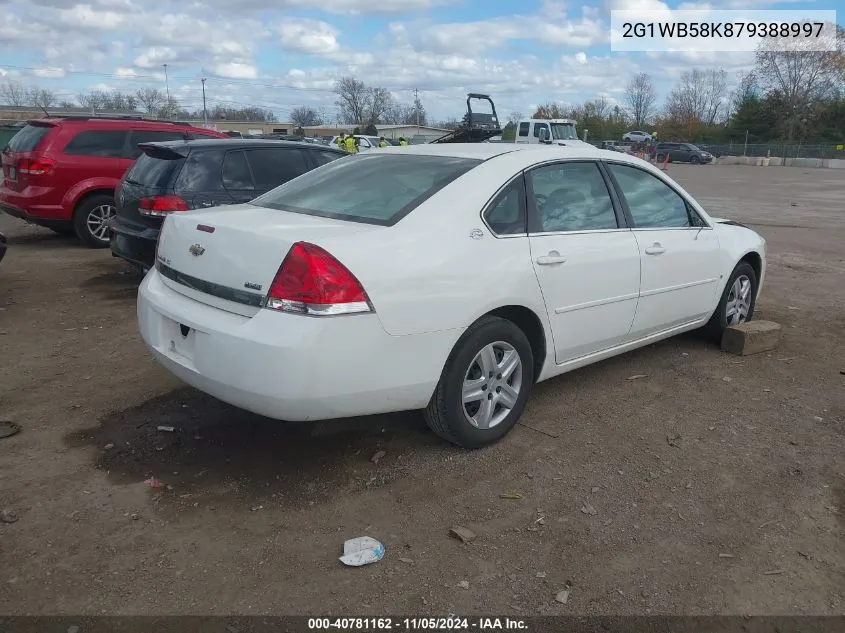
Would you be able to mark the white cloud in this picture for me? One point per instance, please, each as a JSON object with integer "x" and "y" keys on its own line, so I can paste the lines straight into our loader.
{"x": 309, "y": 36}
{"x": 49, "y": 72}
{"x": 236, "y": 71}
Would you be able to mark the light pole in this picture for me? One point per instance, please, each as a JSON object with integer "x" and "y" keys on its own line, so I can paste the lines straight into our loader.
{"x": 167, "y": 90}
{"x": 204, "y": 110}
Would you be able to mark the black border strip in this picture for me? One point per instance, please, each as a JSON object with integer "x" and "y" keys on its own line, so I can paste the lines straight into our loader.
{"x": 210, "y": 288}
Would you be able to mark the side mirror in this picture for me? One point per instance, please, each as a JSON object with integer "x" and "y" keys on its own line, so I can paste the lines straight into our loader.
{"x": 544, "y": 135}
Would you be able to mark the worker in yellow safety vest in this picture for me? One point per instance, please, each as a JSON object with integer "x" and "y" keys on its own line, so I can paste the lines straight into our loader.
{"x": 382, "y": 142}
{"x": 351, "y": 146}
{"x": 340, "y": 141}
{"x": 402, "y": 141}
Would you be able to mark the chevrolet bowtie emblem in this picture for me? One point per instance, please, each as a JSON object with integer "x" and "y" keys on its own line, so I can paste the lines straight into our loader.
{"x": 196, "y": 250}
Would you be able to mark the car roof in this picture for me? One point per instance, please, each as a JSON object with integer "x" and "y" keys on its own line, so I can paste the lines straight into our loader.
{"x": 237, "y": 143}
{"x": 532, "y": 153}
{"x": 82, "y": 121}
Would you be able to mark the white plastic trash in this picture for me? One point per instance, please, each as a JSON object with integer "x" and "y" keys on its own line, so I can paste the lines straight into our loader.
{"x": 361, "y": 551}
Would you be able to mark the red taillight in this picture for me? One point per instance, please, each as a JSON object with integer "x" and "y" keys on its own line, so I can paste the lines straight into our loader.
{"x": 311, "y": 281}
{"x": 161, "y": 205}
{"x": 35, "y": 166}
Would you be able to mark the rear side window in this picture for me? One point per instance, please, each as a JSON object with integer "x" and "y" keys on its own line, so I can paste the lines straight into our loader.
{"x": 271, "y": 167}
{"x": 202, "y": 171}
{"x": 523, "y": 128}
{"x": 151, "y": 136}
{"x": 28, "y": 138}
{"x": 236, "y": 174}
{"x": 322, "y": 158}
{"x": 154, "y": 171}
{"x": 102, "y": 144}
{"x": 356, "y": 190}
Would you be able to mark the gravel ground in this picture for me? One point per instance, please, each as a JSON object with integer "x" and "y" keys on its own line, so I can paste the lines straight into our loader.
{"x": 716, "y": 484}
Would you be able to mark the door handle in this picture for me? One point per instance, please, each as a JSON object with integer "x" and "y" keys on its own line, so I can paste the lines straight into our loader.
{"x": 655, "y": 249}
{"x": 551, "y": 259}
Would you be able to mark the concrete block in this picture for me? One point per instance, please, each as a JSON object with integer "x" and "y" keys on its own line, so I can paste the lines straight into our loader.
{"x": 752, "y": 337}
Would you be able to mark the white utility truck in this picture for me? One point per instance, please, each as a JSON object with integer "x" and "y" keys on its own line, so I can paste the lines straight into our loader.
{"x": 548, "y": 132}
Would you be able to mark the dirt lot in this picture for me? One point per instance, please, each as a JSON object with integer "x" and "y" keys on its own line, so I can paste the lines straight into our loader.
{"x": 740, "y": 513}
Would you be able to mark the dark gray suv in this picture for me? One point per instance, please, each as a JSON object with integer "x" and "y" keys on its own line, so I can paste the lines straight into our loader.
{"x": 681, "y": 153}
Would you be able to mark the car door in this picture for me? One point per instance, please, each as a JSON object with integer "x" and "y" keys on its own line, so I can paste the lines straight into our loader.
{"x": 93, "y": 153}
{"x": 274, "y": 166}
{"x": 237, "y": 177}
{"x": 679, "y": 252}
{"x": 586, "y": 260}
{"x": 200, "y": 181}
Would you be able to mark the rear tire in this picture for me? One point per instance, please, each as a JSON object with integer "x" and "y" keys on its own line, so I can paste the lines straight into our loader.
{"x": 91, "y": 217}
{"x": 733, "y": 308}
{"x": 484, "y": 386}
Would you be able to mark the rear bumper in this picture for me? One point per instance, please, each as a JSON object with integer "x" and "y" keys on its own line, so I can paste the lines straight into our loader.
{"x": 34, "y": 204}
{"x": 290, "y": 367}
{"x": 136, "y": 247}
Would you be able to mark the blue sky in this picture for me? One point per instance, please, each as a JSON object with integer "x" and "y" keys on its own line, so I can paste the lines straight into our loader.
{"x": 285, "y": 53}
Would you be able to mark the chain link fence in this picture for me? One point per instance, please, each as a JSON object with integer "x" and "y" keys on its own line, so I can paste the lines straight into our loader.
{"x": 778, "y": 148}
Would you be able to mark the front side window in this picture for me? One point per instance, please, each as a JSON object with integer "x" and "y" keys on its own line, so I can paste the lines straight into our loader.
{"x": 653, "y": 204}
{"x": 102, "y": 144}
{"x": 355, "y": 189}
{"x": 571, "y": 197}
{"x": 538, "y": 127}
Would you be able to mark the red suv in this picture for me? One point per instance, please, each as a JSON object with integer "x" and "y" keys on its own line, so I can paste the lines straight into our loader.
{"x": 62, "y": 173}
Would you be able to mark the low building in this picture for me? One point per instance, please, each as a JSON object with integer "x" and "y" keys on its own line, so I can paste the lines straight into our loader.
{"x": 413, "y": 133}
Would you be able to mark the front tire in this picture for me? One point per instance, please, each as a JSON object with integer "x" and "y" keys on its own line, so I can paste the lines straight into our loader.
{"x": 484, "y": 386}
{"x": 737, "y": 303}
{"x": 90, "y": 221}
{"x": 695, "y": 160}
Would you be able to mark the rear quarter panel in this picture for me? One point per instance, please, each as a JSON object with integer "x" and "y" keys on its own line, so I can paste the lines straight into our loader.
{"x": 106, "y": 184}
{"x": 427, "y": 274}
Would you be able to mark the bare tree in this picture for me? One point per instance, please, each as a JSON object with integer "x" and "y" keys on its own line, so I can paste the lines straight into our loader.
{"x": 698, "y": 97}
{"x": 799, "y": 75}
{"x": 361, "y": 104}
{"x": 66, "y": 104}
{"x": 514, "y": 117}
{"x": 549, "y": 111}
{"x": 41, "y": 97}
{"x": 150, "y": 99}
{"x": 641, "y": 95}
{"x": 303, "y": 116}
{"x": 13, "y": 93}
{"x": 353, "y": 98}
{"x": 94, "y": 100}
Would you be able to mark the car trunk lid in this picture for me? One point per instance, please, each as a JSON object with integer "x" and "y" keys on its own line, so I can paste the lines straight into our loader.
{"x": 23, "y": 162}
{"x": 151, "y": 176}
{"x": 228, "y": 256}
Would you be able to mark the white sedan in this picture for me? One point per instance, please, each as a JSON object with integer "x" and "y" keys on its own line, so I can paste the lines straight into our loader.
{"x": 443, "y": 277}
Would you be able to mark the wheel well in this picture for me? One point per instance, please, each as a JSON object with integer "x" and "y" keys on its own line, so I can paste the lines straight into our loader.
{"x": 527, "y": 321}
{"x": 756, "y": 263}
{"x": 89, "y": 194}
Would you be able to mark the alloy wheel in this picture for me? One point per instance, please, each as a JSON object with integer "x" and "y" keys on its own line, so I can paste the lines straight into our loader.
{"x": 98, "y": 221}
{"x": 492, "y": 384}
{"x": 738, "y": 305}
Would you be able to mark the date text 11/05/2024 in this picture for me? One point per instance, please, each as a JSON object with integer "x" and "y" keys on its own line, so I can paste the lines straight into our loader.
{"x": 451, "y": 623}
{"x": 722, "y": 29}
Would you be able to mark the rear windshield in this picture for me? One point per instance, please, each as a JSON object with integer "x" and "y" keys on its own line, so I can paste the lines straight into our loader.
{"x": 373, "y": 189}
{"x": 153, "y": 171}
{"x": 28, "y": 138}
